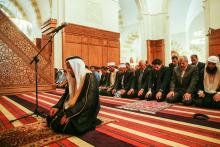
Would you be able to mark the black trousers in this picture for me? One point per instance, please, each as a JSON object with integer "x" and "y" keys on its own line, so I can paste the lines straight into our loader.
{"x": 178, "y": 97}
{"x": 54, "y": 123}
{"x": 206, "y": 101}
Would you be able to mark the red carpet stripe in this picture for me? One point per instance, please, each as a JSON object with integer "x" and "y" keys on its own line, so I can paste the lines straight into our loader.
{"x": 50, "y": 95}
{"x": 187, "y": 114}
{"x": 119, "y": 99}
{"x": 42, "y": 104}
{"x": 66, "y": 143}
{"x": 112, "y": 102}
{"x": 48, "y": 99}
{"x": 4, "y": 123}
{"x": 196, "y": 110}
{"x": 44, "y": 98}
{"x": 141, "y": 140}
{"x": 152, "y": 120}
{"x": 121, "y": 137}
{"x": 215, "y": 110}
{"x": 174, "y": 125}
{"x": 17, "y": 112}
{"x": 182, "y": 139}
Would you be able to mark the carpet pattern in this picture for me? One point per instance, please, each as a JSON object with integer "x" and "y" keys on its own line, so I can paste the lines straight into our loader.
{"x": 173, "y": 126}
{"x": 146, "y": 106}
{"x": 35, "y": 134}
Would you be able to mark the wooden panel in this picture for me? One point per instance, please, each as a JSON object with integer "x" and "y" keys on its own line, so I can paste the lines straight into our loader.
{"x": 95, "y": 46}
{"x": 104, "y": 56}
{"x": 48, "y": 51}
{"x": 214, "y": 42}
{"x": 85, "y": 53}
{"x": 17, "y": 75}
{"x": 95, "y": 55}
{"x": 150, "y": 51}
{"x": 72, "y": 49}
{"x": 73, "y": 38}
{"x": 155, "y": 49}
{"x": 113, "y": 55}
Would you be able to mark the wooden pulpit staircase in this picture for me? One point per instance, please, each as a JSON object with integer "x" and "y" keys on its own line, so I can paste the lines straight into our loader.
{"x": 17, "y": 75}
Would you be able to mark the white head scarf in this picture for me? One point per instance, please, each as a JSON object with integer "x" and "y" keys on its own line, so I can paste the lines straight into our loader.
{"x": 79, "y": 70}
{"x": 213, "y": 59}
{"x": 212, "y": 87}
{"x": 75, "y": 84}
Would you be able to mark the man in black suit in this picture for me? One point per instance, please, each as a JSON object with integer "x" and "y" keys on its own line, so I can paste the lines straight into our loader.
{"x": 209, "y": 84}
{"x": 200, "y": 65}
{"x": 103, "y": 83}
{"x": 123, "y": 82}
{"x": 141, "y": 81}
{"x": 183, "y": 83}
{"x": 160, "y": 78}
{"x": 173, "y": 64}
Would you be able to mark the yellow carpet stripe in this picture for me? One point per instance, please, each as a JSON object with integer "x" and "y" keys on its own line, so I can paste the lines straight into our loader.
{"x": 147, "y": 136}
{"x": 164, "y": 119}
{"x": 190, "y": 108}
{"x": 206, "y": 138}
{"x": 213, "y": 116}
{"x": 79, "y": 142}
{"x": 10, "y": 116}
{"x": 38, "y": 99}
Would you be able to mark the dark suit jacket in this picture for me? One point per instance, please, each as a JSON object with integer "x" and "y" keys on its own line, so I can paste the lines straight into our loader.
{"x": 200, "y": 66}
{"x": 160, "y": 79}
{"x": 189, "y": 81}
{"x": 145, "y": 81}
{"x": 127, "y": 80}
{"x": 171, "y": 67}
{"x": 104, "y": 80}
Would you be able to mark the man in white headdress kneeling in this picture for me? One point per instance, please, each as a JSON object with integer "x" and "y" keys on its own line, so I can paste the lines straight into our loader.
{"x": 209, "y": 84}
{"x": 76, "y": 111}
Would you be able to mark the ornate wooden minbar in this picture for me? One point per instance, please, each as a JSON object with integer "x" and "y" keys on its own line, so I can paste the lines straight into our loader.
{"x": 16, "y": 52}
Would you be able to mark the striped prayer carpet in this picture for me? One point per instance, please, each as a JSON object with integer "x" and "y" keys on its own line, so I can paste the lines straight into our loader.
{"x": 173, "y": 126}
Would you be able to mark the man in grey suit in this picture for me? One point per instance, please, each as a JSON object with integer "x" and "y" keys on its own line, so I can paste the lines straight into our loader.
{"x": 183, "y": 83}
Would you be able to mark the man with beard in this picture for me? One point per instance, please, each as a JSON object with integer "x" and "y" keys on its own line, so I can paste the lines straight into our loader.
{"x": 123, "y": 82}
{"x": 141, "y": 81}
{"x": 104, "y": 81}
{"x": 111, "y": 79}
{"x": 76, "y": 111}
{"x": 183, "y": 82}
{"x": 209, "y": 84}
{"x": 160, "y": 80}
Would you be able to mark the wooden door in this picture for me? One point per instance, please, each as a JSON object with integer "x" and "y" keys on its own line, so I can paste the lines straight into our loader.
{"x": 155, "y": 49}
{"x": 214, "y": 42}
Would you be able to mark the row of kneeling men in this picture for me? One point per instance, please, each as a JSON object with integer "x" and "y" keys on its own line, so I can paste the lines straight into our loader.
{"x": 183, "y": 82}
